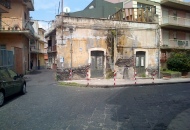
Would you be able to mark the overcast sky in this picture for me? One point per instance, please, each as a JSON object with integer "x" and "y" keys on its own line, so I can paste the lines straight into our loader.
{"x": 45, "y": 10}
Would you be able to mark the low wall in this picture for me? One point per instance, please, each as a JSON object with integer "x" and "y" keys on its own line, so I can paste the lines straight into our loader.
{"x": 77, "y": 73}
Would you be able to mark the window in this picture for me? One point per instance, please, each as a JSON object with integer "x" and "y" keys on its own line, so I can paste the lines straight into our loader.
{"x": 2, "y": 47}
{"x": 4, "y": 74}
{"x": 12, "y": 73}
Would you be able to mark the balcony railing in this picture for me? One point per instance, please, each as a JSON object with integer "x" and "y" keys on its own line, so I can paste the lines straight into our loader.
{"x": 36, "y": 50}
{"x": 52, "y": 49}
{"x": 6, "y": 3}
{"x": 15, "y": 24}
{"x": 175, "y": 43}
{"x": 178, "y": 21}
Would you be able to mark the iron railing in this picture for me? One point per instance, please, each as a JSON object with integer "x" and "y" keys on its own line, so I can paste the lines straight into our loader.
{"x": 15, "y": 24}
{"x": 52, "y": 49}
{"x": 176, "y": 43}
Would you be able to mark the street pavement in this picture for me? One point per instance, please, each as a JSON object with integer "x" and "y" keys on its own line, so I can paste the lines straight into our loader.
{"x": 51, "y": 106}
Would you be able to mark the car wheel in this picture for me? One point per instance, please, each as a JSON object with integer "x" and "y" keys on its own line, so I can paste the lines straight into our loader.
{"x": 23, "y": 91}
{"x": 2, "y": 98}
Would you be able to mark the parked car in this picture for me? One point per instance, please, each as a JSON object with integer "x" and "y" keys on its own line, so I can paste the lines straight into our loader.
{"x": 10, "y": 83}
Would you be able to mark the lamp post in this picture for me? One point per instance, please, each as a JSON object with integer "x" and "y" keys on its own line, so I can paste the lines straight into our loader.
{"x": 71, "y": 32}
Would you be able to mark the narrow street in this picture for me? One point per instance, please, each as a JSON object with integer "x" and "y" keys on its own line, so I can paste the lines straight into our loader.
{"x": 49, "y": 106}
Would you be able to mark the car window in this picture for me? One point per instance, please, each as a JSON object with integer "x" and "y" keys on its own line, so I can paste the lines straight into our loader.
{"x": 12, "y": 73}
{"x": 4, "y": 74}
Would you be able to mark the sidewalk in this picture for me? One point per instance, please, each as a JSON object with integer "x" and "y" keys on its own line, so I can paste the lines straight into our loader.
{"x": 105, "y": 83}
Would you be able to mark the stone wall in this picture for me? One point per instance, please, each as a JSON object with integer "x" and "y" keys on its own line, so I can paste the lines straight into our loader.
{"x": 77, "y": 73}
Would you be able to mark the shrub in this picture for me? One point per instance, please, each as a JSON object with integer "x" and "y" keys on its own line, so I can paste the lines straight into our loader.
{"x": 179, "y": 61}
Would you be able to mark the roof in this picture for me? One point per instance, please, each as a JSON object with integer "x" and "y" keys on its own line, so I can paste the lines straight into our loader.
{"x": 98, "y": 9}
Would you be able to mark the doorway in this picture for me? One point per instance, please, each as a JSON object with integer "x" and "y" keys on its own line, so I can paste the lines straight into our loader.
{"x": 140, "y": 63}
{"x": 97, "y": 64}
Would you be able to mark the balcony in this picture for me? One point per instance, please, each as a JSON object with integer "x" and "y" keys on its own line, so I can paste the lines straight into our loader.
{"x": 136, "y": 15}
{"x": 16, "y": 25}
{"x": 176, "y": 4}
{"x": 176, "y": 44}
{"x": 34, "y": 49}
{"x": 5, "y": 5}
{"x": 52, "y": 49}
{"x": 178, "y": 23}
{"x": 29, "y": 4}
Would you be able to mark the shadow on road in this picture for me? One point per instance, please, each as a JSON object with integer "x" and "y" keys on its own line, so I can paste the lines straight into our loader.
{"x": 35, "y": 72}
{"x": 148, "y": 108}
{"x": 12, "y": 98}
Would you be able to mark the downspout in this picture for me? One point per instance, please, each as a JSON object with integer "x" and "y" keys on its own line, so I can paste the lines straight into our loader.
{"x": 115, "y": 48}
{"x": 29, "y": 59}
{"x": 158, "y": 45}
{"x": 38, "y": 55}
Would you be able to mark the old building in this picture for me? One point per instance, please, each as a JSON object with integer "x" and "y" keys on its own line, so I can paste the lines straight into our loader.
{"x": 37, "y": 47}
{"x": 174, "y": 21}
{"x": 175, "y": 28}
{"x": 106, "y": 45}
{"x": 16, "y": 32}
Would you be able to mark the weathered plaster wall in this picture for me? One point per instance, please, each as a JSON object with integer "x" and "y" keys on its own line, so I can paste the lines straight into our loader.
{"x": 92, "y": 33}
{"x": 82, "y": 40}
{"x": 17, "y": 41}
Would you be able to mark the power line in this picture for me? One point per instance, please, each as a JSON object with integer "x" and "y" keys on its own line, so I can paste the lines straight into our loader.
{"x": 43, "y": 20}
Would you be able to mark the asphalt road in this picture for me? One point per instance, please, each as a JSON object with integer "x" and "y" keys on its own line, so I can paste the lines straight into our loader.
{"x": 49, "y": 106}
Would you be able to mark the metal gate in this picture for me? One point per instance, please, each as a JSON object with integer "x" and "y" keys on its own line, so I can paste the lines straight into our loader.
{"x": 140, "y": 63}
{"x": 97, "y": 64}
{"x": 6, "y": 58}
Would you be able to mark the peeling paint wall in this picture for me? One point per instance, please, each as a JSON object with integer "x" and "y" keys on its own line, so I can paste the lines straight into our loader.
{"x": 82, "y": 40}
{"x": 92, "y": 33}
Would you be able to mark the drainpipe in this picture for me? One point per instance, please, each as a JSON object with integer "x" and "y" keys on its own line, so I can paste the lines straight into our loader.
{"x": 29, "y": 55}
{"x": 38, "y": 55}
{"x": 115, "y": 48}
{"x": 158, "y": 43}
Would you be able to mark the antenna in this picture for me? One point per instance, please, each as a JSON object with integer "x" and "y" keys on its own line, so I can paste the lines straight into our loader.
{"x": 58, "y": 7}
{"x": 66, "y": 9}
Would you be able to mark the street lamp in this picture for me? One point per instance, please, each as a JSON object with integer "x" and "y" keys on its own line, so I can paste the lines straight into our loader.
{"x": 71, "y": 32}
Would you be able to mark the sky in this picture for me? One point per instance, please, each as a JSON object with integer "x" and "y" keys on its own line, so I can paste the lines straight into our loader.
{"x": 46, "y": 10}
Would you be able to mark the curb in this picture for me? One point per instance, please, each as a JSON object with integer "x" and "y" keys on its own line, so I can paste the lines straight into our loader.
{"x": 132, "y": 85}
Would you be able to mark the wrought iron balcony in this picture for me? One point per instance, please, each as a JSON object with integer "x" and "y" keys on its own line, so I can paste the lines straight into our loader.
{"x": 34, "y": 49}
{"x": 6, "y": 3}
{"x": 15, "y": 24}
{"x": 176, "y": 44}
{"x": 52, "y": 49}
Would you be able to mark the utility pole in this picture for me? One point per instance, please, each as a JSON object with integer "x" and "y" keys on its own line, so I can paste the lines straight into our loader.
{"x": 115, "y": 48}
{"x": 71, "y": 32}
{"x": 62, "y": 22}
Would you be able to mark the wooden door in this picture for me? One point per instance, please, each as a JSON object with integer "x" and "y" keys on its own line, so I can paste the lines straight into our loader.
{"x": 18, "y": 60}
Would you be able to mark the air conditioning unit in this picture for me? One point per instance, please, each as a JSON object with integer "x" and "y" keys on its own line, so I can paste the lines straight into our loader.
{"x": 183, "y": 43}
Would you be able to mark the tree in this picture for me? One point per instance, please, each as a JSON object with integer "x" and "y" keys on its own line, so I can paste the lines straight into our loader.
{"x": 179, "y": 61}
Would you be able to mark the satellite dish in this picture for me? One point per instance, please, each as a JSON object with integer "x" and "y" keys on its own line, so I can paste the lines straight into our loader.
{"x": 66, "y": 9}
